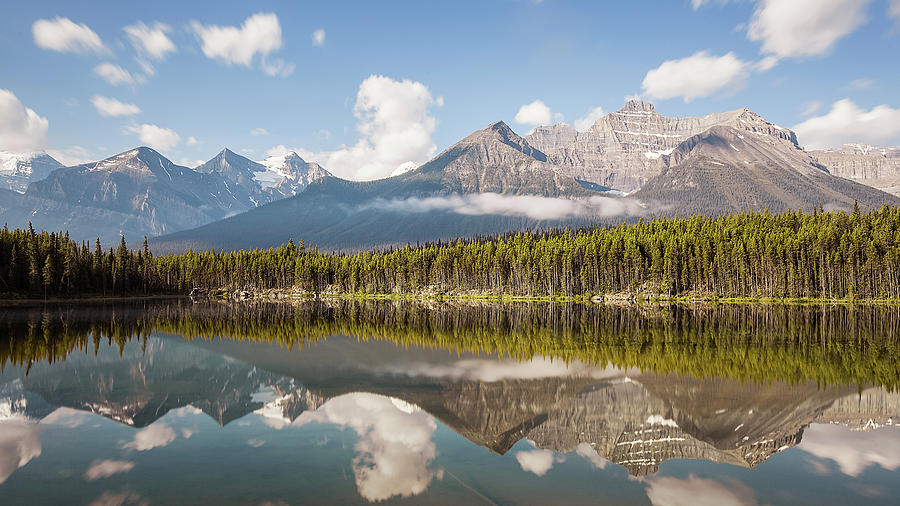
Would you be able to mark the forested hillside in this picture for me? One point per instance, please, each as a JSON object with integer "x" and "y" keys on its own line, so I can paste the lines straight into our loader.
{"x": 824, "y": 254}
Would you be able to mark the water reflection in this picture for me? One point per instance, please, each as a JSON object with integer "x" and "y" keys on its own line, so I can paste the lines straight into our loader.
{"x": 394, "y": 450}
{"x": 382, "y": 409}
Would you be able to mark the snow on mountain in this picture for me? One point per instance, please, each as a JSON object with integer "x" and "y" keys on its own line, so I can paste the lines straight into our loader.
{"x": 288, "y": 174}
{"x": 17, "y": 170}
{"x": 403, "y": 168}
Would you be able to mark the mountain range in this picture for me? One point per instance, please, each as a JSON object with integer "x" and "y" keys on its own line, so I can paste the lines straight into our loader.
{"x": 142, "y": 193}
{"x": 630, "y": 164}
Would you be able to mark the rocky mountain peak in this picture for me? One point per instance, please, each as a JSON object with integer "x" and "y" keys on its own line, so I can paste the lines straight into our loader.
{"x": 294, "y": 157}
{"x": 17, "y": 170}
{"x": 500, "y": 131}
{"x": 637, "y": 105}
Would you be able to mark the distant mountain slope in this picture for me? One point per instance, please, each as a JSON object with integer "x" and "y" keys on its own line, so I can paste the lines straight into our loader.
{"x": 258, "y": 183}
{"x": 140, "y": 192}
{"x": 142, "y": 183}
{"x": 335, "y": 213}
{"x": 17, "y": 170}
{"x": 726, "y": 169}
{"x": 869, "y": 165}
{"x": 626, "y": 148}
{"x": 740, "y": 164}
{"x": 287, "y": 175}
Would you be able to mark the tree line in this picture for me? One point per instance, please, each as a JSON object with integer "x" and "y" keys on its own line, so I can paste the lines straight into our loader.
{"x": 834, "y": 345}
{"x": 793, "y": 254}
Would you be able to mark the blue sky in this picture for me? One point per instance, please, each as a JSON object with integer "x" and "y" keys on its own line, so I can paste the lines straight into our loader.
{"x": 475, "y": 62}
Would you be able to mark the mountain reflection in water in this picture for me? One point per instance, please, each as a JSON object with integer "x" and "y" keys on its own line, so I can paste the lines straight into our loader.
{"x": 380, "y": 385}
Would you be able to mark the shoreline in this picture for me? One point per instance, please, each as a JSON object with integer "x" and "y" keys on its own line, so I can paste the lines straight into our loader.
{"x": 597, "y": 299}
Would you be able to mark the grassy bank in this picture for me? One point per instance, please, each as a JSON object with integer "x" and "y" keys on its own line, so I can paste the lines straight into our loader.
{"x": 614, "y": 299}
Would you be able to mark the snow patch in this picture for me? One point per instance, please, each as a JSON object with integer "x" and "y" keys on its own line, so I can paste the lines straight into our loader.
{"x": 660, "y": 420}
{"x": 403, "y": 168}
{"x": 654, "y": 155}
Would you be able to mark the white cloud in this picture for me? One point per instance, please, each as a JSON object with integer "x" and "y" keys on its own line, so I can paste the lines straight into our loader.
{"x": 318, "y": 37}
{"x": 490, "y": 371}
{"x": 64, "y": 35}
{"x": 146, "y": 67}
{"x": 111, "y": 107}
{"x": 537, "y": 462}
{"x": 698, "y": 75}
{"x": 259, "y": 35}
{"x": 395, "y": 120}
{"x": 767, "y": 63}
{"x": 188, "y": 162}
{"x": 259, "y": 131}
{"x": 281, "y": 150}
{"x": 119, "y": 499}
{"x": 21, "y": 129}
{"x": 694, "y": 491}
{"x": 277, "y": 67}
{"x": 894, "y": 9}
{"x": 72, "y": 155}
{"x": 804, "y": 28}
{"x": 862, "y": 83}
{"x": 587, "y": 451}
{"x": 191, "y": 141}
{"x": 154, "y": 136}
{"x": 154, "y": 43}
{"x": 535, "y": 113}
{"x": 586, "y": 122}
{"x": 154, "y": 436}
{"x": 394, "y": 450}
{"x": 531, "y": 206}
{"x": 811, "y": 107}
{"x": 20, "y": 441}
{"x": 106, "y": 468}
{"x": 847, "y": 122}
{"x": 114, "y": 74}
{"x": 853, "y": 451}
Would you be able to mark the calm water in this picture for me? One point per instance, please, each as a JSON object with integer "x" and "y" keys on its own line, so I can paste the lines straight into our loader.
{"x": 349, "y": 402}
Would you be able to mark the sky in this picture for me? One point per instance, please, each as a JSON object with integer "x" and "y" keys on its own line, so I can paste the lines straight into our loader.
{"x": 364, "y": 87}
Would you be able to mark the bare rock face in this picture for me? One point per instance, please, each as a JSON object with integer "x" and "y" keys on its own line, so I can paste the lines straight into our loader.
{"x": 729, "y": 169}
{"x": 626, "y": 148}
{"x": 869, "y": 165}
{"x": 496, "y": 160}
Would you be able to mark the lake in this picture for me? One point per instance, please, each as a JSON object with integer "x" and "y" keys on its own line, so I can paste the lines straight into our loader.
{"x": 352, "y": 402}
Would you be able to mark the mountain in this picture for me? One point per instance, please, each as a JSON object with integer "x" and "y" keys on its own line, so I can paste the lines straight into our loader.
{"x": 17, "y": 170}
{"x": 287, "y": 175}
{"x": 626, "y": 148}
{"x": 630, "y": 164}
{"x": 869, "y": 165}
{"x": 139, "y": 183}
{"x": 238, "y": 173}
{"x": 258, "y": 183}
{"x": 727, "y": 169}
{"x": 140, "y": 192}
{"x": 419, "y": 205}
{"x": 735, "y": 162}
